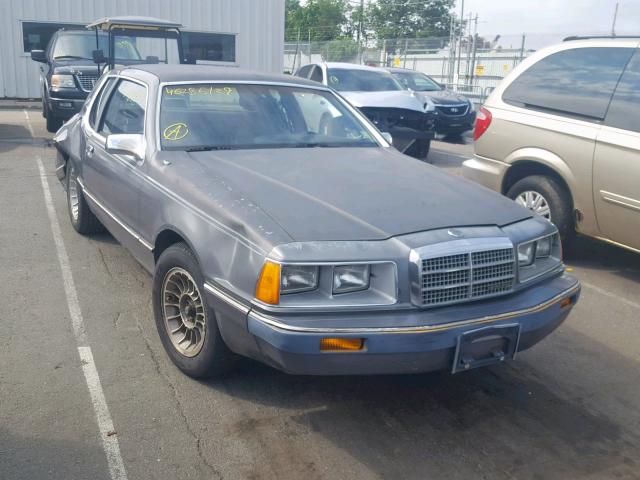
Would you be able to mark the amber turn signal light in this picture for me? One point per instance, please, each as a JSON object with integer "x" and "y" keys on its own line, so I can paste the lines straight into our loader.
{"x": 566, "y": 302}
{"x": 268, "y": 286}
{"x": 341, "y": 344}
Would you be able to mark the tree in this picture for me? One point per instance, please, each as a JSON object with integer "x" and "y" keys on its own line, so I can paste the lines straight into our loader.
{"x": 343, "y": 49}
{"x": 321, "y": 20}
{"x": 389, "y": 19}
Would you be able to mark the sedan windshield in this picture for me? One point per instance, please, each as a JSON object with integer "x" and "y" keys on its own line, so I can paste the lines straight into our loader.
{"x": 214, "y": 116}
{"x": 357, "y": 80}
{"x": 417, "y": 82}
{"x": 80, "y": 46}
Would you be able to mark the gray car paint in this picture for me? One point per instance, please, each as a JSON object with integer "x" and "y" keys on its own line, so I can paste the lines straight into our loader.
{"x": 237, "y": 208}
{"x": 391, "y": 99}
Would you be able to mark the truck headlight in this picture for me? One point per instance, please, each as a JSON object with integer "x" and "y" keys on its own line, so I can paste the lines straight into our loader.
{"x": 62, "y": 81}
{"x": 537, "y": 257}
{"x": 350, "y": 278}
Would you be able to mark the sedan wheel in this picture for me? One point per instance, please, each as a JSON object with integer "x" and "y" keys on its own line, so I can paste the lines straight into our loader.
{"x": 183, "y": 312}
{"x": 535, "y": 201}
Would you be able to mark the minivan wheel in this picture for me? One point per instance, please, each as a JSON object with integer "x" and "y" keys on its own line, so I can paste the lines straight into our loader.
{"x": 82, "y": 218}
{"x": 549, "y": 199}
{"x": 186, "y": 324}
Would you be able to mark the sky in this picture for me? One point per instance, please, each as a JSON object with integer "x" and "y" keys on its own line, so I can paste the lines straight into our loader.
{"x": 548, "y": 21}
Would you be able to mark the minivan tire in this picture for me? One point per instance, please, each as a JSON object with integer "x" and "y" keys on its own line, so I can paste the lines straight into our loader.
{"x": 82, "y": 218}
{"x": 558, "y": 199}
{"x": 213, "y": 357}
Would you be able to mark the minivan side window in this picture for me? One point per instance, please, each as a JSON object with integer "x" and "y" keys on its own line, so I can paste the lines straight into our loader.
{"x": 125, "y": 111}
{"x": 577, "y": 83}
{"x": 624, "y": 111}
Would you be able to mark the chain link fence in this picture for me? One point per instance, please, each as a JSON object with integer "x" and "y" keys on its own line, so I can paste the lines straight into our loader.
{"x": 471, "y": 65}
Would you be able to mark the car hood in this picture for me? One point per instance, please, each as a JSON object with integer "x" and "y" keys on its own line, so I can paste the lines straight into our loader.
{"x": 392, "y": 99}
{"x": 75, "y": 67}
{"x": 443, "y": 97}
{"x": 350, "y": 193}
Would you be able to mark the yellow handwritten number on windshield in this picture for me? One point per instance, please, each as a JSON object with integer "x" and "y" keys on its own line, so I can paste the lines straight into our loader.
{"x": 174, "y": 132}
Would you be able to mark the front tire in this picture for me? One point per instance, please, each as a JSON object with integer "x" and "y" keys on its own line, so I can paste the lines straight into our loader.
{"x": 186, "y": 323}
{"x": 419, "y": 149}
{"x": 53, "y": 123}
{"x": 548, "y": 198}
{"x": 82, "y": 218}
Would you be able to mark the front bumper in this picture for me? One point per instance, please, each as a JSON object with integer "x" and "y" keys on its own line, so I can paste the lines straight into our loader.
{"x": 395, "y": 342}
{"x": 447, "y": 124}
{"x": 65, "y": 104}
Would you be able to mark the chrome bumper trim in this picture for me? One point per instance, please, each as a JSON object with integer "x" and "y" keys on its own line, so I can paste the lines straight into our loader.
{"x": 419, "y": 329}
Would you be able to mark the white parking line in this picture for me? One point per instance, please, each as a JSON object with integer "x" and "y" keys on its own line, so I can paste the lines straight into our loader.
{"x": 105, "y": 424}
{"x": 29, "y": 126}
{"x": 609, "y": 294}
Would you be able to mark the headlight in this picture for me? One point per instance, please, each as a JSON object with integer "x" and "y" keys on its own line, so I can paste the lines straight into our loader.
{"x": 350, "y": 278}
{"x": 298, "y": 278}
{"x": 538, "y": 257}
{"x": 63, "y": 81}
{"x": 526, "y": 253}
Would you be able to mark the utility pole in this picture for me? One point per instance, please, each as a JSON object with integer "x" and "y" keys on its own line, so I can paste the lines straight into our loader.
{"x": 459, "y": 49}
{"x": 615, "y": 17}
{"x": 360, "y": 21}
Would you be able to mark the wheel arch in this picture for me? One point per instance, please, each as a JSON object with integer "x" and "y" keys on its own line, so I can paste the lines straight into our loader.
{"x": 168, "y": 236}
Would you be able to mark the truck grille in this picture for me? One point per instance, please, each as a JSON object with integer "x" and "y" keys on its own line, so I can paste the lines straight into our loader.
{"x": 87, "y": 82}
{"x": 453, "y": 110}
{"x": 466, "y": 276}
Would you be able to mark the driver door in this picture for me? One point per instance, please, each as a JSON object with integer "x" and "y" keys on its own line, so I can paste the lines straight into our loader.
{"x": 114, "y": 180}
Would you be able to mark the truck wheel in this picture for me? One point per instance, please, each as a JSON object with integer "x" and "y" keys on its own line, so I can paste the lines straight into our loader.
{"x": 82, "y": 218}
{"x": 186, "y": 324}
{"x": 419, "y": 149}
{"x": 549, "y": 199}
{"x": 53, "y": 123}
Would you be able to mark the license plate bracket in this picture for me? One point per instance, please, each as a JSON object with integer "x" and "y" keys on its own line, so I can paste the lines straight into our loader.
{"x": 486, "y": 346}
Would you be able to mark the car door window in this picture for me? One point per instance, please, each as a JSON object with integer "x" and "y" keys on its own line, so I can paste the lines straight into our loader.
{"x": 304, "y": 71}
{"x": 577, "y": 83}
{"x": 316, "y": 75}
{"x": 125, "y": 109}
{"x": 101, "y": 100}
{"x": 624, "y": 111}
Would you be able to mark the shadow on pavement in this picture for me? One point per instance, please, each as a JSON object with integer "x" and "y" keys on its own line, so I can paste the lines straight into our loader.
{"x": 595, "y": 254}
{"x": 509, "y": 421}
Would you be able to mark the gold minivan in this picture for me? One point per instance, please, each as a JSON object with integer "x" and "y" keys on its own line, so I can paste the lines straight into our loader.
{"x": 561, "y": 136}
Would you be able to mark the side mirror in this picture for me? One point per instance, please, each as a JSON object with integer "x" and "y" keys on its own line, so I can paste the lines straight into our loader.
{"x": 126, "y": 144}
{"x": 387, "y": 136}
{"x": 98, "y": 56}
{"x": 38, "y": 56}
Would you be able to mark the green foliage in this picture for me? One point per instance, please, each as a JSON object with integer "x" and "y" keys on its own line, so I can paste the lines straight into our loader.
{"x": 321, "y": 19}
{"x": 341, "y": 49}
{"x": 409, "y": 18}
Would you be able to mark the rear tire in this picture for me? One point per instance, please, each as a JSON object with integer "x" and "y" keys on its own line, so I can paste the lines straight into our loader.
{"x": 186, "y": 324}
{"x": 82, "y": 218}
{"x": 552, "y": 194}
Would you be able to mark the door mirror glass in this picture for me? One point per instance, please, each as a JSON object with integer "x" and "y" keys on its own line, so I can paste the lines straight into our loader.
{"x": 98, "y": 56}
{"x": 126, "y": 144}
{"x": 387, "y": 136}
{"x": 38, "y": 56}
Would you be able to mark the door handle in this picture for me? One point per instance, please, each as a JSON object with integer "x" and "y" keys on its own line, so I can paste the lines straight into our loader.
{"x": 89, "y": 150}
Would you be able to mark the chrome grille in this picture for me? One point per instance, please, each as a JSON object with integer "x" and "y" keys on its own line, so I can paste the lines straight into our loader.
{"x": 466, "y": 276}
{"x": 453, "y": 110}
{"x": 87, "y": 82}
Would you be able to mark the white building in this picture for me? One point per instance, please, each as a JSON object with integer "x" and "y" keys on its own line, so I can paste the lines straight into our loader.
{"x": 238, "y": 33}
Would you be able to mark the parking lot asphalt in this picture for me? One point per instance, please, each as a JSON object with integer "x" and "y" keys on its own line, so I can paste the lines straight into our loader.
{"x": 568, "y": 408}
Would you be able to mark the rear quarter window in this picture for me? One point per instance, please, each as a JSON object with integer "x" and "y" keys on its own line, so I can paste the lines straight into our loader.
{"x": 624, "y": 111}
{"x": 577, "y": 83}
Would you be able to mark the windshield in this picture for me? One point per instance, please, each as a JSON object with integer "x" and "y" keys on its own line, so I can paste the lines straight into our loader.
{"x": 356, "y": 80}
{"x": 417, "y": 81}
{"x": 213, "y": 116}
{"x": 81, "y": 45}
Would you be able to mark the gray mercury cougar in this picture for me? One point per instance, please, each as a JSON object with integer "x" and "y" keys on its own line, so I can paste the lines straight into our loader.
{"x": 317, "y": 249}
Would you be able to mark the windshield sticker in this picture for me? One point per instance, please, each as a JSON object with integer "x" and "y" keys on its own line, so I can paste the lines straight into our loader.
{"x": 211, "y": 90}
{"x": 175, "y": 132}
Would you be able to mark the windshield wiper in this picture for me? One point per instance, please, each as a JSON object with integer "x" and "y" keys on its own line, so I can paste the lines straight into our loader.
{"x": 73, "y": 57}
{"x": 208, "y": 148}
